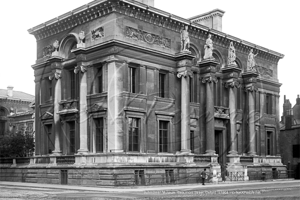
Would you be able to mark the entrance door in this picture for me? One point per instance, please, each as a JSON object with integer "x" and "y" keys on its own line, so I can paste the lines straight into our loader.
{"x": 219, "y": 147}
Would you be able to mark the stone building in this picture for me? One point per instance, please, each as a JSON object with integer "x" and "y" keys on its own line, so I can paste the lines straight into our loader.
{"x": 12, "y": 104}
{"x": 290, "y": 136}
{"x": 136, "y": 95}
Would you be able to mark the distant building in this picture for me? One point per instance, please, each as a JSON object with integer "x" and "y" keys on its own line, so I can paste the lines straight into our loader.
{"x": 13, "y": 105}
{"x": 126, "y": 92}
{"x": 290, "y": 136}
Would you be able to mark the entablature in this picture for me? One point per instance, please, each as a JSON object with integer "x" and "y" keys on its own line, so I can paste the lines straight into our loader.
{"x": 99, "y": 8}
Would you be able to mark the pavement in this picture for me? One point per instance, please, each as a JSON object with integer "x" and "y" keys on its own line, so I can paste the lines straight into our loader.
{"x": 147, "y": 188}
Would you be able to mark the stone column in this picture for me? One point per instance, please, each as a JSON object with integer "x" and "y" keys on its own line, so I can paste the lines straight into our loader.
{"x": 210, "y": 119}
{"x": 185, "y": 109}
{"x": 251, "y": 121}
{"x": 83, "y": 118}
{"x": 232, "y": 108}
{"x": 56, "y": 116}
{"x": 115, "y": 121}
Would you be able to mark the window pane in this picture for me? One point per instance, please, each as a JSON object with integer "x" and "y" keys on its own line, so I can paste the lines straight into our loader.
{"x": 162, "y": 85}
{"x": 133, "y": 135}
{"x": 99, "y": 134}
{"x": 163, "y": 136}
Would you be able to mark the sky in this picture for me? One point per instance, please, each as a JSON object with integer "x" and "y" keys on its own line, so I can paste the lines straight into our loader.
{"x": 273, "y": 24}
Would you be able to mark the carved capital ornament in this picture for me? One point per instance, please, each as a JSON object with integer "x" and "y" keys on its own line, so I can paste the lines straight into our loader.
{"x": 56, "y": 75}
{"x": 209, "y": 79}
{"x": 185, "y": 74}
{"x": 81, "y": 68}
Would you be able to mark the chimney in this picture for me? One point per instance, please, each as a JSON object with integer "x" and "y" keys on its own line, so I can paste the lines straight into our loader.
{"x": 10, "y": 91}
{"x": 147, "y": 2}
{"x": 298, "y": 100}
{"x": 212, "y": 19}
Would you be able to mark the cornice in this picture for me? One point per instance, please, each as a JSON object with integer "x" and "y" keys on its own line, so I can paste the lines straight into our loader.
{"x": 269, "y": 82}
{"x": 99, "y": 8}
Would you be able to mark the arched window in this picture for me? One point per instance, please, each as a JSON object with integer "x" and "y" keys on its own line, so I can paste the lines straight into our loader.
{"x": 68, "y": 44}
{"x": 2, "y": 112}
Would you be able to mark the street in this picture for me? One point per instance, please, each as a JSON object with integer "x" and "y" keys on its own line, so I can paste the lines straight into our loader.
{"x": 243, "y": 190}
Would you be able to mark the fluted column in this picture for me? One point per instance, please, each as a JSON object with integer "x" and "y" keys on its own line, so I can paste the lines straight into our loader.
{"x": 232, "y": 107}
{"x": 185, "y": 109}
{"x": 83, "y": 108}
{"x": 56, "y": 116}
{"x": 210, "y": 120}
{"x": 250, "y": 90}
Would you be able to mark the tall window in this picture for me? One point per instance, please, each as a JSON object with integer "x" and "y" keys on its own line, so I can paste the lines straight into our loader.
{"x": 134, "y": 79}
{"x": 163, "y": 136}
{"x": 2, "y": 123}
{"x": 50, "y": 93}
{"x": 99, "y": 80}
{"x": 134, "y": 130}
{"x": 48, "y": 128}
{"x": 72, "y": 84}
{"x": 296, "y": 151}
{"x": 269, "y": 142}
{"x": 99, "y": 134}
{"x": 192, "y": 136}
{"x": 162, "y": 85}
{"x": 269, "y": 103}
{"x": 72, "y": 137}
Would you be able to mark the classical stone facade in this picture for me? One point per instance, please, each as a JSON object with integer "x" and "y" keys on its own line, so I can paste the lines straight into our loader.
{"x": 118, "y": 95}
{"x": 15, "y": 111}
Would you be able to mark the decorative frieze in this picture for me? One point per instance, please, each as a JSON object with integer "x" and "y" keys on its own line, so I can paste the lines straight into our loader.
{"x": 221, "y": 112}
{"x": 264, "y": 71}
{"x": 48, "y": 50}
{"x": 97, "y": 33}
{"x": 97, "y": 107}
{"x": 209, "y": 79}
{"x": 147, "y": 37}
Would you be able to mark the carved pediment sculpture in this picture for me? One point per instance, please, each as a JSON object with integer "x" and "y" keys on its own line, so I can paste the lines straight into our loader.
{"x": 97, "y": 33}
{"x": 97, "y": 107}
{"x": 55, "y": 46}
{"x": 185, "y": 40}
{"x": 208, "y": 49}
{"x": 231, "y": 55}
{"x": 47, "y": 115}
{"x": 251, "y": 62}
{"x": 81, "y": 43}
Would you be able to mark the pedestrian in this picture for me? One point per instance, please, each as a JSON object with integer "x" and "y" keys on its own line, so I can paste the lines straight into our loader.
{"x": 203, "y": 176}
{"x": 223, "y": 173}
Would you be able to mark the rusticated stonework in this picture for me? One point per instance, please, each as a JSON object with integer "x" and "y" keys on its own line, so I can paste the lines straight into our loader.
{"x": 147, "y": 37}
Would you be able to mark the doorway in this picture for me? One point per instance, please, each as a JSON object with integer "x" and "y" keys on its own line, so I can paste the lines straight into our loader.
{"x": 219, "y": 147}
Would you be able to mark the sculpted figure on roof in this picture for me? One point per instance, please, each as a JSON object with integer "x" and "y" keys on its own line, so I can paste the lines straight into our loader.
{"x": 208, "y": 49}
{"x": 185, "y": 40}
{"x": 231, "y": 55}
{"x": 251, "y": 61}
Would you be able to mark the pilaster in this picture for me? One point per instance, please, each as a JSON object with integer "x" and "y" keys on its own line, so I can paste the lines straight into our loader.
{"x": 250, "y": 87}
{"x": 56, "y": 76}
{"x": 184, "y": 73}
{"x": 207, "y": 75}
{"x": 80, "y": 68}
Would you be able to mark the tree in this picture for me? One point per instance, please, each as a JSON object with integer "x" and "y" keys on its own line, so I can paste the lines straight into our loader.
{"x": 16, "y": 145}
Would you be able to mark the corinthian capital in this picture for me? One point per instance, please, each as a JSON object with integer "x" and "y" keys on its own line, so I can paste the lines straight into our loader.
{"x": 185, "y": 74}
{"x": 56, "y": 75}
{"x": 80, "y": 68}
{"x": 232, "y": 84}
{"x": 209, "y": 79}
{"x": 250, "y": 88}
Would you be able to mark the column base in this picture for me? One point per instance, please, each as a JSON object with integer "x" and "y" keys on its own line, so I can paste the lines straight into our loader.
{"x": 233, "y": 159}
{"x": 56, "y": 153}
{"x": 251, "y": 153}
{"x": 82, "y": 151}
{"x": 185, "y": 151}
{"x": 210, "y": 152}
{"x": 233, "y": 153}
{"x": 116, "y": 151}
